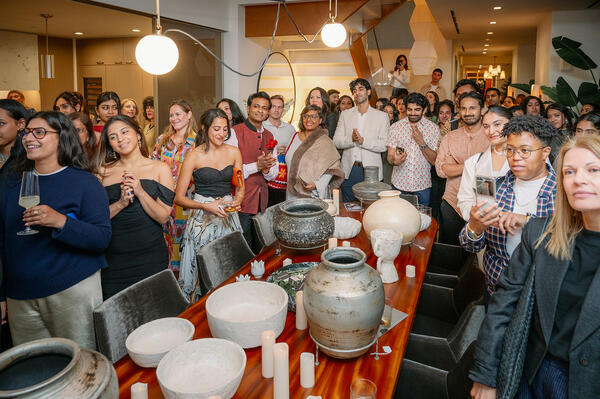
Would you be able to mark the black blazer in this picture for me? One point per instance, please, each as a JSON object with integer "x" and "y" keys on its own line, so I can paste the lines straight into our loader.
{"x": 584, "y": 355}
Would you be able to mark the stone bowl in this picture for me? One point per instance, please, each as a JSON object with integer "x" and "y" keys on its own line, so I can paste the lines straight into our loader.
{"x": 346, "y": 227}
{"x": 303, "y": 224}
{"x": 240, "y": 312}
{"x": 148, "y": 343}
{"x": 202, "y": 368}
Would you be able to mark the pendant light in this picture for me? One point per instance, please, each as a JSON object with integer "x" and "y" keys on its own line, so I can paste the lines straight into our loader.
{"x": 47, "y": 60}
{"x": 333, "y": 33}
{"x": 157, "y": 54}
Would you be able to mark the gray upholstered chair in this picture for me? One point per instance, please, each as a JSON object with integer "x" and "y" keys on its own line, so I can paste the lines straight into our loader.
{"x": 152, "y": 298}
{"x": 263, "y": 226}
{"x": 412, "y": 198}
{"x": 221, "y": 258}
{"x": 420, "y": 381}
{"x": 447, "y": 264}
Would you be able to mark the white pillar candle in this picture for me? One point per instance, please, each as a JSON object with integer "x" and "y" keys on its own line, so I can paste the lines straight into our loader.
{"x": 307, "y": 369}
{"x": 139, "y": 390}
{"x": 410, "y": 271}
{"x": 287, "y": 261}
{"x": 214, "y": 397}
{"x": 346, "y": 244}
{"x": 300, "y": 312}
{"x": 268, "y": 340}
{"x": 332, "y": 242}
{"x": 281, "y": 369}
{"x": 336, "y": 200}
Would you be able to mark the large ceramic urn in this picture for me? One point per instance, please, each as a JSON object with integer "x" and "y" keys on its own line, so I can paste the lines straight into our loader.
{"x": 303, "y": 224}
{"x": 56, "y": 368}
{"x": 367, "y": 190}
{"x": 344, "y": 301}
{"x": 393, "y": 213}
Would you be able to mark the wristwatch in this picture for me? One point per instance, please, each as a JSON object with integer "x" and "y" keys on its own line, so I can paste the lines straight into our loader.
{"x": 472, "y": 234}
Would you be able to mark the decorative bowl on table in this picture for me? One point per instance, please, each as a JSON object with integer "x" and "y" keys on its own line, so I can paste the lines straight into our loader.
{"x": 240, "y": 312}
{"x": 202, "y": 368}
{"x": 346, "y": 227}
{"x": 148, "y": 343}
{"x": 291, "y": 279}
{"x": 303, "y": 224}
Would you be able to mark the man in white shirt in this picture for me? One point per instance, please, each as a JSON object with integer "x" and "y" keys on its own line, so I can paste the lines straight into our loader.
{"x": 434, "y": 85}
{"x": 361, "y": 134}
{"x": 282, "y": 133}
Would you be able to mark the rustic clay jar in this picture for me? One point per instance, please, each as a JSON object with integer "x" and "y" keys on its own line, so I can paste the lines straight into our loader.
{"x": 56, "y": 368}
{"x": 367, "y": 190}
{"x": 394, "y": 213}
{"x": 303, "y": 224}
{"x": 344, "y": 301}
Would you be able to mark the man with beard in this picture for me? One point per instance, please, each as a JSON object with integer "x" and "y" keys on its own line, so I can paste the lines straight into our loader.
{"x": 361, "y": 134}
{"x": 455, "y": 148}
{"x": 412, "y": 146}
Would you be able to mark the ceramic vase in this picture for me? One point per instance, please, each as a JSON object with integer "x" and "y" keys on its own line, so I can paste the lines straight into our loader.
{"x": 367, "y": 190}
{"x": 303, "y": 224}
{"x": 394, "y": 213}
{"x": 386, "y": 246}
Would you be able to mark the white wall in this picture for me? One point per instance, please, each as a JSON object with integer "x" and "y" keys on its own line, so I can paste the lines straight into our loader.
{"x": 543, "y": 48}
{"x": 19, "y": 61}
{"x": 582, "y": 26}
{"x": 523, "y": 68}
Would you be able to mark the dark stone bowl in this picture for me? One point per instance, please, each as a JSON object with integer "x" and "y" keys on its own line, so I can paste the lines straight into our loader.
{"x": 303, "y": 224}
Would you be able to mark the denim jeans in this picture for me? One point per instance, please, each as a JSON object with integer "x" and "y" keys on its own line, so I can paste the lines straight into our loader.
{"x": 550, "y": 382}
{"x": 357, "y": 175}
{"x": 423, "y": 195}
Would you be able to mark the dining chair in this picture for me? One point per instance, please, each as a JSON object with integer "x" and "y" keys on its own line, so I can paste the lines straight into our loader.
{"x": 412, "y": 198}
{"x": 263, "y": 226}
{"x": 447, "y": 264}
{"x": 221, "y": 258}
{"x": 153, "y": 298}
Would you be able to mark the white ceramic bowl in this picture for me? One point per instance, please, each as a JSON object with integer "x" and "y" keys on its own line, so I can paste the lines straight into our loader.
{"x": 202, "y": 368}
{"x": 240, "y": 312}
{"x": 148, "y": 343}
{"x": 346, "y": 227}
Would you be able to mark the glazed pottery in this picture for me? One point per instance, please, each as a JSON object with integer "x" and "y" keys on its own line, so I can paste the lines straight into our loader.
{"x": 395, "y": 213}
{"x": 148, "y": 343}
{"x": 344, "y": 301}
{"x": 303, "y": 224}
{"x": 367, "y": 190}
{"x": 201, "y": 369}
{"x": 240, "y": 312}
{"x": 386, "y": 246}
{"x": 56, "y": 368}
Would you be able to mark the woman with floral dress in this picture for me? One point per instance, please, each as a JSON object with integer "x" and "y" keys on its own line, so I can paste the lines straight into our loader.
{"x": 171, "y": 148}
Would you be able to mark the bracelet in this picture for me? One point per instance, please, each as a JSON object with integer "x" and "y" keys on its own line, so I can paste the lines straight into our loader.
{"x": 472, "y": 234}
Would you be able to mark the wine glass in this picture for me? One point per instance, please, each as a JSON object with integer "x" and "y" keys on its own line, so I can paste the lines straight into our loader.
{"x": 363, "y": 389}
{"x": 29, "y": 196}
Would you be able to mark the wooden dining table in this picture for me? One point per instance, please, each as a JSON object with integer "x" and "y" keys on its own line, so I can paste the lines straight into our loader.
{"x": 332, "y": 376}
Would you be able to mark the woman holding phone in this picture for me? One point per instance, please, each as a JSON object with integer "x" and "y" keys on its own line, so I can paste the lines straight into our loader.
{"x": 400, "y": 76}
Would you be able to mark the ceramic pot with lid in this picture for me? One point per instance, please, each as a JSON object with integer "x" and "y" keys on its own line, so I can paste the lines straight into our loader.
{"x": 56, "y": 368}
{"x": 303, "y": 224}
{"x": 367, "y": 190}
{"x": 394, "y": 213}
{"x": 344, "y": 301}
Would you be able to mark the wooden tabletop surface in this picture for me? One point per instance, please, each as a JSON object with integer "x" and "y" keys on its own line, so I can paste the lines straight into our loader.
{"x": 333, "y": 377}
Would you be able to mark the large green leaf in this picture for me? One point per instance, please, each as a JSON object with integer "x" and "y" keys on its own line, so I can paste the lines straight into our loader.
{"x": 569, "y": 51}
{"x": 588, "y": 93}
{"x": 566, "y": 95}
{"x": 522, "y": 86}
{"x": 550, "y": 92}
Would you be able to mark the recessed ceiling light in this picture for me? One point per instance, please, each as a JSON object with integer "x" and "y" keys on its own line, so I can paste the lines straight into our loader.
{"x": 486, "y": 45}
{"x": 485, "y": 52}
{"x": 78, "y": 33}
{"x": 136, "y": 30}
{"x": 487, "y": 39}
{"x": 490, "y": 33}
{"x": 497, "y": 8}
{"x": 492, "y": 22}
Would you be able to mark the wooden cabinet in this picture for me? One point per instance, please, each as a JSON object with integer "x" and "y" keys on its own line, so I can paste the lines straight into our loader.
{"x": 114, "y": 51}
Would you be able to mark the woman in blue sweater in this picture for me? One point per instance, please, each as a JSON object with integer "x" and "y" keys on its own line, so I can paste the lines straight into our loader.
{"x": 52, "y": 279}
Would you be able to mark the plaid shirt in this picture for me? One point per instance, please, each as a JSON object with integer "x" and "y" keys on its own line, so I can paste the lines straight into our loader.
{"x": 496, "y": 257}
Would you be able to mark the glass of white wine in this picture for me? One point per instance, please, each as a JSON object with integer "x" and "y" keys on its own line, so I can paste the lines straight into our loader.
{"x": 29, "y": 197}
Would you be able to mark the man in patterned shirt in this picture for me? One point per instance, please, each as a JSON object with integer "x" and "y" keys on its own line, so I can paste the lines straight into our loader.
{"x": 412, "y": 146}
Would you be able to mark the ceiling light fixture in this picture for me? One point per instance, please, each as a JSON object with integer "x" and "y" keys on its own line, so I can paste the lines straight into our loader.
{"x": 486, "y": 45}
{"x": 47, "y": 60}
{"x": 136, "y": 30}
{"x": 492, "y": 22}
{"x": 490, "y": 33}
{"x": 497, "y": 8}
{"x": 333, "y": 33}
{"x": 78, "y": 33}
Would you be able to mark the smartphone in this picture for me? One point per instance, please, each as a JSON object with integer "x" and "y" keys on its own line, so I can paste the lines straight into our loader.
{"x": 399, "y": 150}
{"x": 485, "y": 189}
{"x": 454, "y": 124}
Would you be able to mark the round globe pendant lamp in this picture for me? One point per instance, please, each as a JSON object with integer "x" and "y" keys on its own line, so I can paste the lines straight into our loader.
{"x": 333, "y": 34}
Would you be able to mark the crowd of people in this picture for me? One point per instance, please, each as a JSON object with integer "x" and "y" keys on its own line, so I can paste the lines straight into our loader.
{"x": 119, "y": 203}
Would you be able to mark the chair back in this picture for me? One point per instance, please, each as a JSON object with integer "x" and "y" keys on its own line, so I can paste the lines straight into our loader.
{"x": 466, "y": 329}
{"x": 153, "y": 298}
{"x": 263, "y": 226}
{"x": 458, "y": 383}
{"x": 221, "y": 258}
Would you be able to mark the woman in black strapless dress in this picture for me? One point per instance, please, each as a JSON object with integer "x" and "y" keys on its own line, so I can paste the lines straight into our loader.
{"x": 211, "y": 164}
{"x": 140, "y": 193}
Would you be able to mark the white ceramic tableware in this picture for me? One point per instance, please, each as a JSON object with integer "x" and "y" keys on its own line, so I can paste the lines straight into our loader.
{"x": 346, "y": 228}
{"x": 386, "y": 246}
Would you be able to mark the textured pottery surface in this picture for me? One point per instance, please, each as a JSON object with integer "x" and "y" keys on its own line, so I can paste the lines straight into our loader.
{"x": 395, "y": 213}
{"x": 303, "y": 224}
{"x": 344, "y": 301}
{"x": 346, "y": 228}
{"x": 386, "y": 246}
{"x": 331, "y": 207}
{"x": 148, "y": 343}
{"x": 56, "y": 368}
{"x": 240, "y": 312}
{"x": 367, "y": 190}
{"x": 202, "y": 368}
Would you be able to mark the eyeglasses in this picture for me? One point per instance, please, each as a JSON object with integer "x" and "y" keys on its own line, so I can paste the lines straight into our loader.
{"x": 38, "y": 132}
{"x": 314, "y": 117}
{"x": 524, "y": 153}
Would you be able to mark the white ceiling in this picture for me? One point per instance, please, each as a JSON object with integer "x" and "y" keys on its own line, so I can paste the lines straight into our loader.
{"x": 69, "y": 17}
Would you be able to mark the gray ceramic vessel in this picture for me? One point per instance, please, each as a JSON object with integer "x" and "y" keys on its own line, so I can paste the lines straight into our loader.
{"x": 367, "y": 190}
{"x": 303, "y": 224}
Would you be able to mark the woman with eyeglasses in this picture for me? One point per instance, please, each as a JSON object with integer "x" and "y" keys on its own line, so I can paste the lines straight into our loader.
{"x": 108, "y": 105}
{"x": 52, "y": 279}
{"x": 528, "y": 191}
{"x": 313, "y": 161}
